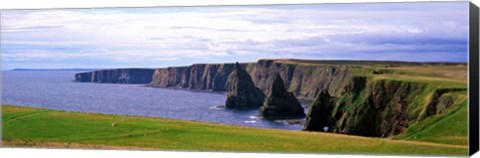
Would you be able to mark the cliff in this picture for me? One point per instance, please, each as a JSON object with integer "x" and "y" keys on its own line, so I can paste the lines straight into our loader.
{"x": 379, "y": 107}
{"x": 281, "y": 104}
{"x": 319, "y": 115}
{"x": 242, "y": 93}
{"x": 198, "y": 76}
{"x": 304, "y": 80}
{"x": 129, "y": 76}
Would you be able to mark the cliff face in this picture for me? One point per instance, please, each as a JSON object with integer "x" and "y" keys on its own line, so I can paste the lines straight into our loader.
{"x": 319, "y": 115}
{"x": 281, "y": 104}
{"x": 441, "y": 100}
{"x": 84, "y": 77}
{"x": 377, "y": 107}
{"x": 242, "y": 93}
{"x": 131, "y": 76}
{"x": 304, "y": 80}
{"x": 198, "y": 76}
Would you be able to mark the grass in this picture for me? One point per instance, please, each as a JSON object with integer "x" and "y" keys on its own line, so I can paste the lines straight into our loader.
{"x": 23, "y": 126}
{"x": 451, "y": 71}
{"x": 450, "y": 127}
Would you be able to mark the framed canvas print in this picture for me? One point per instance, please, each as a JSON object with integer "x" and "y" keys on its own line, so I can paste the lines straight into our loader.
{"x": 355, "y": 78}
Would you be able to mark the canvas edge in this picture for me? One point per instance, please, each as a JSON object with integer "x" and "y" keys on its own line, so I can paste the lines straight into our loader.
{"x": 473, "y": 79}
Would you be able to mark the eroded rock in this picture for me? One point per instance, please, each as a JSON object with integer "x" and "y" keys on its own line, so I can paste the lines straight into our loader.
{"x": 242, "y": 93}
{"x": 320, "y": 113}
{"x": 281, "y": 104}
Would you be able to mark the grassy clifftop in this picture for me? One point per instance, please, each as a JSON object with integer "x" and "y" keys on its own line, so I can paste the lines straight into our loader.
{"x": 410, "y": 101}
{"x": 438, "y": 113}
{"x": 24, "y": 126}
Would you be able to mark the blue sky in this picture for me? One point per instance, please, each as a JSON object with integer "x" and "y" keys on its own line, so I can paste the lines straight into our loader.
{"x": 175, "y": 36}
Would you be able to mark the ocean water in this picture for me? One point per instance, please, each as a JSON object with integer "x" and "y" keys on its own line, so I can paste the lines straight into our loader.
{"x": 57, "y": 90}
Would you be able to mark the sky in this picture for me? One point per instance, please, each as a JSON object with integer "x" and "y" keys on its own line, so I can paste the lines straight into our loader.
{"x": 178, "y": 36}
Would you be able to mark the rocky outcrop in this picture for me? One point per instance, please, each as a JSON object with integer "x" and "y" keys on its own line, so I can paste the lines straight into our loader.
{"x": 84, "y": 77}
{"x": 320, "y": 113}
{"x": 242, "y": 93}
{"x": 376, "y": 107}
{"x": 304, "y": 80}
{"x": 281, "y": 104}
{"x": 129, "y": 76}
{"x": 440, "y": 101}
{"x": 211, "y": 77}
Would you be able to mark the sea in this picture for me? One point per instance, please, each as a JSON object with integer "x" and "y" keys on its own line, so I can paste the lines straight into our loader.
{"x": 58, "y": 90}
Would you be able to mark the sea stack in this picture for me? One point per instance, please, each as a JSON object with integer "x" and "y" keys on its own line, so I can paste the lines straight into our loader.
{"x": 242, "y": 93}
{"x": 319, "y": 116}
{"x": 281, "y": 104}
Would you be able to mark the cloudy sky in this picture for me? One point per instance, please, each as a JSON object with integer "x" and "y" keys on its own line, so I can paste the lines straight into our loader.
{"x": 174, "y": 36}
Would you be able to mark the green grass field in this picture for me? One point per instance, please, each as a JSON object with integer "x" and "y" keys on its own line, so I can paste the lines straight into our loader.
{"x": 24, "y": 126}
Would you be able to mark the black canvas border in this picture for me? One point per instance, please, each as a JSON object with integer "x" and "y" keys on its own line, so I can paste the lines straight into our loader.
{"x": 473, "y": 79}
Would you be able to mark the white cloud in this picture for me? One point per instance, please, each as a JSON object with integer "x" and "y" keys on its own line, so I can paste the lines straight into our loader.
{"x": 172, "y": 34}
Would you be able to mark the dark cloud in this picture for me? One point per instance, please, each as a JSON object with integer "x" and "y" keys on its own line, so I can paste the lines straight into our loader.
{"x": 31, "y": 28}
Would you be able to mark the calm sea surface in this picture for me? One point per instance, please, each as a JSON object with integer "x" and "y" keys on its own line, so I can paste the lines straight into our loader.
{"x": 56, "y": 90}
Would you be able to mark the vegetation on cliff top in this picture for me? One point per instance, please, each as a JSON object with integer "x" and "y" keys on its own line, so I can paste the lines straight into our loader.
{"x": 408, "y": 100}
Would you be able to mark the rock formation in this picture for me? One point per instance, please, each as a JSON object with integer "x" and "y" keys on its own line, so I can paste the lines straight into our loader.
{"x": 242, "y": 93}
{"x": 281, "y": 104}
{"x": 377, "y": 108}
{"x": 440, "y": 101}
{"x": 129, "y": 76}
{"x": 319, "y": 115}
{"x": 305, "y": 79}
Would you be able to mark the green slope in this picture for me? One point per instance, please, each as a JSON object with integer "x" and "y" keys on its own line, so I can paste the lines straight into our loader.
{"x": 449, "y": 127}
{"x": 24, "y": 126}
